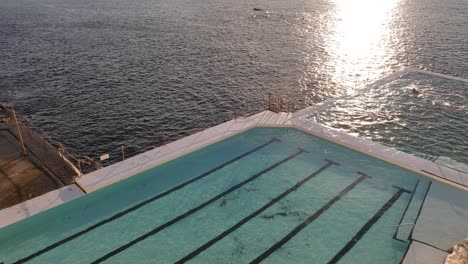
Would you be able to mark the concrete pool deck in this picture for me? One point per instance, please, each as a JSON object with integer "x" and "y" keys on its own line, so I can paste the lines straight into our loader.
{"x": 419, "y": 253}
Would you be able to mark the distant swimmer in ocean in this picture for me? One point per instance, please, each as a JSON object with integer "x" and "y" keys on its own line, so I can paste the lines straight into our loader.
{"x": 414, "y": 91}
{"x": 257, "y": 9}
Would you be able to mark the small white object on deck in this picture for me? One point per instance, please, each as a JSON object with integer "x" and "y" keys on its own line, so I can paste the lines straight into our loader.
{"x": 104, "y": 157}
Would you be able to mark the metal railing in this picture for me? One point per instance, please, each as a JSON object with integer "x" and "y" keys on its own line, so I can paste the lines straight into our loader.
{"x": 86, "y": 164}
{"x": 82, "y": 163}
{"x": 281, "y": 103}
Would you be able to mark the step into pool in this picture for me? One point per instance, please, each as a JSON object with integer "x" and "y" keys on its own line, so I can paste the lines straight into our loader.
{"x": 267, "y": 195}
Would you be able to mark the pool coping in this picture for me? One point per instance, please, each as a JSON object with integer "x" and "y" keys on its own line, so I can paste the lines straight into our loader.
{"x": 153, "y": 158}
{"x": 39, "y": 204}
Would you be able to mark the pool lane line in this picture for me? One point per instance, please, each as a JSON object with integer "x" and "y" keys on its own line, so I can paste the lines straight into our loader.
{"x": 404, "y": 213}
{"x": 195, "y": 209}
{"x": 309, "y": 220}
{"x": 141, "y": 204}
{"x": 254, "y": 214}
{"x": 368, "y": 225}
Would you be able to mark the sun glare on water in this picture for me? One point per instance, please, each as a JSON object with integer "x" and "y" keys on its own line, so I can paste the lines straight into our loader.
{"x": 361, "y": 37}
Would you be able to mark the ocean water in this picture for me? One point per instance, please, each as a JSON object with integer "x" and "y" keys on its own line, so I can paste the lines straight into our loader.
{"x": 98, "y": 74}
{"x": 432, "y": 124}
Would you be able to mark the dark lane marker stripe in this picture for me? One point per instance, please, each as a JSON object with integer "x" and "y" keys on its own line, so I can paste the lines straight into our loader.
{"x": 367, "y": 226}
{"x": 193, "y": 210}
{"x": 135, "y": 207}
{"x": 309, "y": 220}
{"x": 254, "y": 214}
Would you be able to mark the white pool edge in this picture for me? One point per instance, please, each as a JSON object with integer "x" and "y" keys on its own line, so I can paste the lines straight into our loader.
{"x": 39, "y": 204}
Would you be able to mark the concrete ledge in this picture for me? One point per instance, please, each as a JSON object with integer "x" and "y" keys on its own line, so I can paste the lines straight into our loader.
{"x": 39, "y": 204}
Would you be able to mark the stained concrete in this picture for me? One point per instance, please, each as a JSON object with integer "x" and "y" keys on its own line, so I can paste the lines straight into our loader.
{"x": 24, "y": 177}
{"x": 20, "y": 179}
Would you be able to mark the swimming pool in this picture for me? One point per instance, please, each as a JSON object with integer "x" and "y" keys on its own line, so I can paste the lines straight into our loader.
{"x": 267, "y": 195}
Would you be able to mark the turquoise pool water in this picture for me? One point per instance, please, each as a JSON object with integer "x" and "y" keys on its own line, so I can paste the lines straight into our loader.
{"x": 268, "y": 195}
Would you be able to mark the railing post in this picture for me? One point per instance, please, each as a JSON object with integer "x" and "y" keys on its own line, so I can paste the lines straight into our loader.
{"x": 28, "y": 126}
{"x": 123, "y": 152}
{"x": 79, "y": 166}
{"x": 269, "y": 101}
{"x": 97, "y": 164}
{"x": 62, "y": 151}
{"x": 43, "y": 137}
{"x": 13, "y": 115}
{"x": 164, "y": 137}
